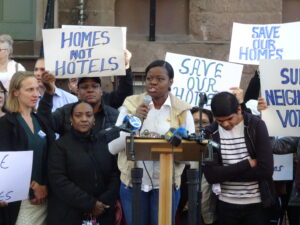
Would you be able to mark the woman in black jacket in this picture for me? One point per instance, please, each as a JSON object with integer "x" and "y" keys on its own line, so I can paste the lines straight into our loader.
{"x": 83, "y": 175}
{"x": 20, "y": 130}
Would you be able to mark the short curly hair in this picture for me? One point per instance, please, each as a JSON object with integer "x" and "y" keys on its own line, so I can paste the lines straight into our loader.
{"x": 7, "y": 39}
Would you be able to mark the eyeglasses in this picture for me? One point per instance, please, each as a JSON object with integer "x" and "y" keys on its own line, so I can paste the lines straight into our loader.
{"x": 86, "y": 87}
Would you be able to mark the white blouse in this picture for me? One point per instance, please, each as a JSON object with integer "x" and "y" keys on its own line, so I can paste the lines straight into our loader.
{"x": 158, "y": 121}
{"x": 5, "y": 77}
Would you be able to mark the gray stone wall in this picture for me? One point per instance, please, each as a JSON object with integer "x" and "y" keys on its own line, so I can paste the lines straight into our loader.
{"x": 209, "y": 28}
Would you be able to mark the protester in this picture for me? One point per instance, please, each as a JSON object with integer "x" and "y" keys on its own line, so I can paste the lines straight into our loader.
{"x": 208, "y": 203}
{"x": 297, "y": 180}
{"x": 3, "y": 92}
{"x": 20, "y": 130}
{"x": 60, "y": 97}
{"x": 116, "y": 98}
{"x": 242, "y": 172}
{"x": 285, "y": 145}
{"x": 164, "y": 111}
{"x": 89, "y": 89}
{"x": 72, "y": 84}
{"x": 7, "y": 66}
{"x": 83, "y": 175}
{"x": 207, "y": 117}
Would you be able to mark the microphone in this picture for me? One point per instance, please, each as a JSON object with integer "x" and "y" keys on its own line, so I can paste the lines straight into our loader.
{"x": 169, "y": 134}
{"x": 130, "y": 123}
{"x": 146, "y": 100}
{"x": 180, "y": 133}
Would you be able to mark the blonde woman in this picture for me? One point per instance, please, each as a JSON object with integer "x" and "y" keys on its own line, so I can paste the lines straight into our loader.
{"x": 7, "y": 66}
{"x": 21, "y": 129}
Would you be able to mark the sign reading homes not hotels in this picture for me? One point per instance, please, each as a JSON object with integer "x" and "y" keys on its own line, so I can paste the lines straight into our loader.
{"x": 78, "y": 52}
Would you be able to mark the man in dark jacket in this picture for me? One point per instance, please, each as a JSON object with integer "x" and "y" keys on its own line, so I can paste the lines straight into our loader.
{"x": 89, "y": 89}
{"x": 286, "y": 145}
{"x": 244, "y": 161}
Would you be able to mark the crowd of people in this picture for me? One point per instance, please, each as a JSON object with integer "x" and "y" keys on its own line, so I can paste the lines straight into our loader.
{"x": 78, "y": 177}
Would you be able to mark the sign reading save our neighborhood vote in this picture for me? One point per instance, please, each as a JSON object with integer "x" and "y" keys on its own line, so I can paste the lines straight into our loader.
{"x": 253, "y": 42}
{"x": 78, "y": 52}
{"x": 15, "y": 175}
{"x": 194, "y": 75}
{"x": 280, "y": 82}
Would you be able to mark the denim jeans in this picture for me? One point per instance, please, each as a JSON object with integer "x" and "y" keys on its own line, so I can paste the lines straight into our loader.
{"x": 235, "y": 214}
{"x": 149, "y": 205}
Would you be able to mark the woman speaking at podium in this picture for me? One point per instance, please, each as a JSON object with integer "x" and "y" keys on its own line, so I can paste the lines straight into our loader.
{"x": 163, "y": 112}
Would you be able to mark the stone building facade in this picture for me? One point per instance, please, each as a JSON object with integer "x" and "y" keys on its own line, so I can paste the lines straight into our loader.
{"x": 192, "y": 27}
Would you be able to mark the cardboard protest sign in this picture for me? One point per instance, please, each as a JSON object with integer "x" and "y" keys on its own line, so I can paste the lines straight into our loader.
{"x": 253, "y": 42}
{"x": 85, "y": 52}
{"x": 280, "y": 87}
{"x": 124, "y": 30}
{"x": 194, "y": 75}
{"x": 283, "y": 167}
{"x": 15, "y": 175}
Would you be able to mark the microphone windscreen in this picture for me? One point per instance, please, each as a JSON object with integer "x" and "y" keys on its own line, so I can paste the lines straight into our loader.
{"x": 181, "y": 131}
{"x": 132, "y": 122}
{"x": 135, "y": 123}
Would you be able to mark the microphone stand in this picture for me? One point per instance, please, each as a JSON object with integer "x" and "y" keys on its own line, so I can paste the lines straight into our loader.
{"x": 136, "y": 179}
{"x": 193, "y": 185}
{"x": 131, "y": 149}
{"x": 194, "y": 177}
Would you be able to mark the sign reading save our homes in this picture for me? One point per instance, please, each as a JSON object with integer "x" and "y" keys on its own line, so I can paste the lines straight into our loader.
{"x": 78, "y": 52}
{"x": 251, "y": 43}
{"x": 280, "y": 82}
{"x": 194, "y": 75}
{"x": 15, "y": 175}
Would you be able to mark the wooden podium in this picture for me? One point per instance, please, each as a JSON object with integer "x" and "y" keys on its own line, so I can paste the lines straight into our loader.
{"x": 154, "y": 149}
